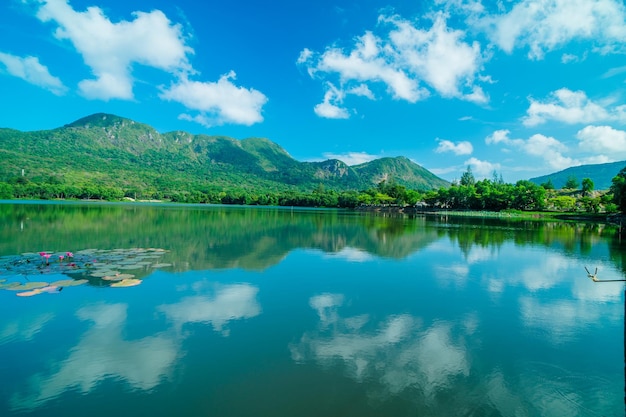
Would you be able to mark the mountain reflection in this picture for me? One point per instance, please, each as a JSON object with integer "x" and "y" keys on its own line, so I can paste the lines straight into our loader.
{"x": 222, "y": 237}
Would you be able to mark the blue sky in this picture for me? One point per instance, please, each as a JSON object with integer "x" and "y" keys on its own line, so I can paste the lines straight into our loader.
{"x": 523, "y": 88}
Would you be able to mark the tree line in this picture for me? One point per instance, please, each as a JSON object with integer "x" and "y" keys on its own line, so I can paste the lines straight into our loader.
{"x": 467, "y": 194}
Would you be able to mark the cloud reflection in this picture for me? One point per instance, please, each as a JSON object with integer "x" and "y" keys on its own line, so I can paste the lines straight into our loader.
{"x": 395, "y": 352}
{"x": 352, "y": 255}
{"x": 230, "y": 302}
{"x": 24, "y": 328}
{"x": 103, "y": 353}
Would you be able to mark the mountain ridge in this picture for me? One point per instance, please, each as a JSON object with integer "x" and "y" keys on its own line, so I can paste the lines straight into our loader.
{"x": 127, "y": 153}
{"x": 601, "y": 175}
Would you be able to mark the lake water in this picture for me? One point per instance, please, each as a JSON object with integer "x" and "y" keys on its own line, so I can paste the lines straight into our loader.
{"x": 280, "y": 312}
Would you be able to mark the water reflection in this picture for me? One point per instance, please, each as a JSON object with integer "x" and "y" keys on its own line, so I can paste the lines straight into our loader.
{"x": 105, "y": 351}
{"x": 396, "y": 352}
{"x": 382, "y": 314}
{"x": 25, "y": 327}
{"x": 229, "y": 302}
{"x": 101, "y": 353}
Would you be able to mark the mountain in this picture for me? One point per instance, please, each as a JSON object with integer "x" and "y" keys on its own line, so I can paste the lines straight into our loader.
{"x": 600, "y": 174}
{"x": 105, "y": 149}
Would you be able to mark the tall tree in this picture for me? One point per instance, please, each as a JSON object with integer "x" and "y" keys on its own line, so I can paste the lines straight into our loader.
{"x": 619, "y": 190}
{"x": 571, "y": 183}
{"x": 587, "y": 186}
{"x": 467, "y": 178}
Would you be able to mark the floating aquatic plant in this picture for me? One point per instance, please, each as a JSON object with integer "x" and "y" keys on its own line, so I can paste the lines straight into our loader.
{"x": 28, "y": 286}
{"x": 49, "y": 289}
{"x": 128, "y": 282}
{"x": 103, "y": 265}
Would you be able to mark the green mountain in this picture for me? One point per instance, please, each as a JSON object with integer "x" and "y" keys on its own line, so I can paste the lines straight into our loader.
{"x": 600, "y": 174}
{"x": 104, "y": 149}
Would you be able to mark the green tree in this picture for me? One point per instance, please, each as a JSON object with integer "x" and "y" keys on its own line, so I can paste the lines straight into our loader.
{"x": 467, "y": 178}
{"x": 548, "y": 185}
{"x": 587, "y": 186}
{"x": 6, "y": 191}
{"x": 563, "y": 203}
{"x": 618, "y": 188}
{"x": 571, "y": 183}
{"x": 528, "y": 196}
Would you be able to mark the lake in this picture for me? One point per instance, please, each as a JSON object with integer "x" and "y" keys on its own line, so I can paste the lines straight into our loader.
{"x": 169, "y": 310}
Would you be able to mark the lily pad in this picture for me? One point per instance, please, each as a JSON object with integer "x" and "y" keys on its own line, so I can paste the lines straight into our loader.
{"x": 9, "y": 285}
{"x": 69, "y": 282}
{"x": 133, "y": 266}
{"x": 28, "y": 286}
{"x": 129, "y": 282}
{"x": 161, "y": 265}
{"x": 103, "y": 273}
{"x": 28, "y": 293}
{"x": 75, "y": 271}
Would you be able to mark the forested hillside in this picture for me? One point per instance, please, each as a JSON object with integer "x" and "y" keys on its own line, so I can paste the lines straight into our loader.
{"x": 108, "y": 152}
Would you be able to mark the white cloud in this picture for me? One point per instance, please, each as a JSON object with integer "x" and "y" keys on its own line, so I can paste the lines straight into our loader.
{"x": 482, "y": 169}
{"x": 368, "y": 61}
{"x": 110, "y": 49}
{"x": 439, "y": 57}
{"x": 329, "y": 108}
{"x": 401, "y": 59}
{"x": 352, "y": 158}
{"x": 499, "y": 136}
{"x": 222, "y": 100}
{"x": 547, "y": 148}
{"x": 570, "y": 107}
{"x": 545, "y": 25}
{"x": 459, "y": 148}
{"x": 305, "y": 55}
{"x": 569, "y": 58}
{"x": 614, "y": 71}
{"x": 362, "y": 90}
{"x": 604, "y": 140}
{"x": 32, "y": 71}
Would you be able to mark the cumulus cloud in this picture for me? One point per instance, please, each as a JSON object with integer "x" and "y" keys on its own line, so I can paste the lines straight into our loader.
{"x": 482, "y": 169}
{"x": 406, "y": 60}
{"x": 439, "y": 57}
{"x": 32, "y": 71}
{"x": 223, "y": 99}
{"x": 603, "y": 140}
{"x": 352, "y": 158}
{"x": 545, "y": 147}
{"x": 545, "y": 25}
{"x": 110, "y": 49}
{"x": 330, "y": 107}
{"x": 570, "y": 107}
{"x": 458, "y": 148}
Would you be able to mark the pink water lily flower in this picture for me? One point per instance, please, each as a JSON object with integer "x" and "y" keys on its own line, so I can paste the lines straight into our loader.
{"x": 61, "y": 257}
{"x": 42, "y": 253}
{"x": 69, "y": 254}
{"x": 47, "y": 256}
